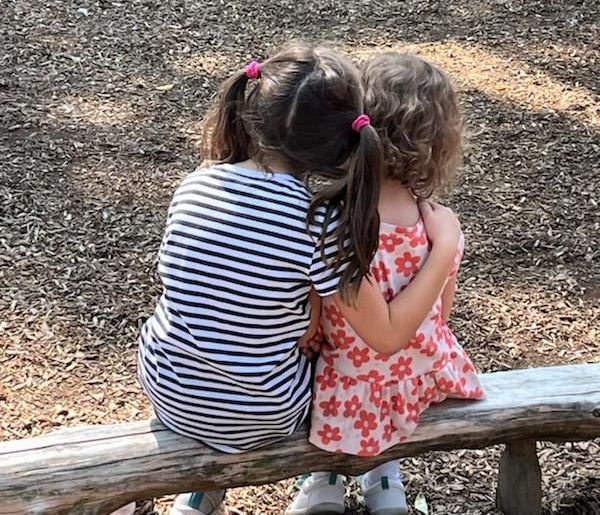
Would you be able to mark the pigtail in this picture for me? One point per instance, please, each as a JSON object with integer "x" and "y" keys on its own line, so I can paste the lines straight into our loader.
{"x": 356, "y": 196}
{"x": 360, "y": 216}
{"x": 225, "y": 138}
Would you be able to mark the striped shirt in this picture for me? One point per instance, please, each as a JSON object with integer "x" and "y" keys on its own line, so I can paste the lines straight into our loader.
{"x": 218, "y": 358}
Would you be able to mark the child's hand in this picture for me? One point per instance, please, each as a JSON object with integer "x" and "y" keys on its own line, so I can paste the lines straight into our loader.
{"x": 441, "y": 224}
{"x": 311, "y": 343}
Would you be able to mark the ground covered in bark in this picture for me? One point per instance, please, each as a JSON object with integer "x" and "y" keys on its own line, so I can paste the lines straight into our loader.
{"x": 100, "y": 108}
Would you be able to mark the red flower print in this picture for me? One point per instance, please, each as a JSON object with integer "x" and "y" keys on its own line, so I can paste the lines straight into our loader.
{"x": 460, "y": 387}
{"x": 450, "y": 338}
{"x": 441, "y": 363}
{"x": 334, "y": 315}
{"x": 430, "y": 349}
{"x": 402, "y": 368}
{"x": 382, "y": 357}
{"x": 380, "y": 272}
{"x": 384, "y": 411}
{"x": 416, "y": 235}
{"x": 358, "y": 356}
{"x": 341, "y": 340}
{"x": 388, "y": 242}
{"x": 477, "y": 393}
{"x": 398, "y": 403}
{"x": 412, "y": 412}
{"x": 352, "y": 406}
{"x": 372, "y": 377}
{"x": 468, "y": 367}
{"x": 417, "y": 382}
{"x": 440, "y": 330}
{"x": 329, "y": 434}
{"x": 388, "y": 429}
{"x": 348, "y": 382}
{"x": 329, "y": 357}
{"x": 445, "y": 385}
{"x": 327, "y": 378}
{"x": 366, "y": 423}
{"x": 369, "y": 447}
{"x": 389, "y": 294}
{"x": 376, "y": 394}
{"x": 417, "y": 341}
{"x": 407, "y": 264}
{"x": 428, "y": 396}
{"x": 330, "y": 407}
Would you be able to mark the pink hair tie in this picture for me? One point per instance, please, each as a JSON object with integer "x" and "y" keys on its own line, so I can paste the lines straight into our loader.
{"x": 253, "y": 70}
{"x": 361, "y": 121}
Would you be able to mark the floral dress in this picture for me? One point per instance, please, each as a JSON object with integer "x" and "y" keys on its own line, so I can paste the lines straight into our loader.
{"x": 364, "y": 402}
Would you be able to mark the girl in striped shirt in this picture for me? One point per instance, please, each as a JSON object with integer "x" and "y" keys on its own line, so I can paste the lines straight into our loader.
{"x": 248, "y": 251}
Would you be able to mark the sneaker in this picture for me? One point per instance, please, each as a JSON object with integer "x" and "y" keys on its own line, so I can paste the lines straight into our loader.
{"x": 321, "y": 496}
{"x": 385, "y": 497}
{"x": 197, "y": 503}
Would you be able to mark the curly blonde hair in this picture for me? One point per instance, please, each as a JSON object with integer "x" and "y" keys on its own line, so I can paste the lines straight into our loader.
{"x": 414, "y": 107}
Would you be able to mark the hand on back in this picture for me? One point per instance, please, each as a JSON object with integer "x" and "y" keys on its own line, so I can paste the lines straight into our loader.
{"x": 442, "y": 226}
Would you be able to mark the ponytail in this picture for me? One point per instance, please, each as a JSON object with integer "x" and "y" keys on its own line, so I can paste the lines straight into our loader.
{"x": 308, "y": 111}
{"x": 224, "y": 137}
{"x": 357, "y": 195}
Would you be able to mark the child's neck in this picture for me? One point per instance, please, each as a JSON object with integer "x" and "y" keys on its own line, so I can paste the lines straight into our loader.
{"x": 273, "y": 163}
{"x": 397, "y": 205}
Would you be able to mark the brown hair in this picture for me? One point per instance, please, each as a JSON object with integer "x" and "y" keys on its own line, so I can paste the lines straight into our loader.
{"x": 301, "y": 109}
{"x": 413, "y": 105}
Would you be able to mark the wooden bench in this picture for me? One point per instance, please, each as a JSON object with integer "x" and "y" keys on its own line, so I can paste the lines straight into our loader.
{"x": 96, "y": 469}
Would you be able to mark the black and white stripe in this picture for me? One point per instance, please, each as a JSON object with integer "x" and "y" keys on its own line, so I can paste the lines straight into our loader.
{"x": 218, "y": 358}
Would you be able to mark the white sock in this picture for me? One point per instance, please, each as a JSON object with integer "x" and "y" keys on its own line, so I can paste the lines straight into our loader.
{"x": 391, "y": 469}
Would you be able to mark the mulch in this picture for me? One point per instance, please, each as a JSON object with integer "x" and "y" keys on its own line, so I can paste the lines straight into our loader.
{"x": 100, "y": 108}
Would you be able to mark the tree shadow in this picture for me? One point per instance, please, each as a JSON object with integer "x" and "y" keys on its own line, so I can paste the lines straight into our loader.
{"x": 554, "y": 37}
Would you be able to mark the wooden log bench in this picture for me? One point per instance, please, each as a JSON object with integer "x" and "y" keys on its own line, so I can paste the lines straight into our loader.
{"x": 96, "y": 469}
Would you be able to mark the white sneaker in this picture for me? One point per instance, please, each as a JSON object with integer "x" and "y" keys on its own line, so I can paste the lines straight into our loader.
{"x": 197, "y": 503}
{"x": 386, "y": 497}
{"x": 324, "y": 495}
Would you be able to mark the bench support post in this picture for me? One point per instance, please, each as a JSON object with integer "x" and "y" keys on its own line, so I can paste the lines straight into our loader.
{"x": 519, "y": 480}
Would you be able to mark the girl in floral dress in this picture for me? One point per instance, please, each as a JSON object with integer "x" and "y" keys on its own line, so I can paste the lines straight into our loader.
{"x": 370, "y": 390}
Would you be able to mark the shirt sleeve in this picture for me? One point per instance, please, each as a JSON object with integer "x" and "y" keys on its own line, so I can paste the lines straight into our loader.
{"x": 325, "y": 273}
{"x": 167, "y": 230}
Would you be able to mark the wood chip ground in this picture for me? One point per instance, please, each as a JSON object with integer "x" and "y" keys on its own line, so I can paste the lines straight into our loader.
{"x": 100, "y": 104}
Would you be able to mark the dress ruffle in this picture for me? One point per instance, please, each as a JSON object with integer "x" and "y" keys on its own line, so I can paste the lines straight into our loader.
{"x": 365, "y": 417}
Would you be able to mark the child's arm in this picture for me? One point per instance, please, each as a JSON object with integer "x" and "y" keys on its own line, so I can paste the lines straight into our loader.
{"x": 448, "y": 298}
{"x": 308, "y": 343}
{"x": 450, "y": 289}
{"x": 388, "y": 328}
